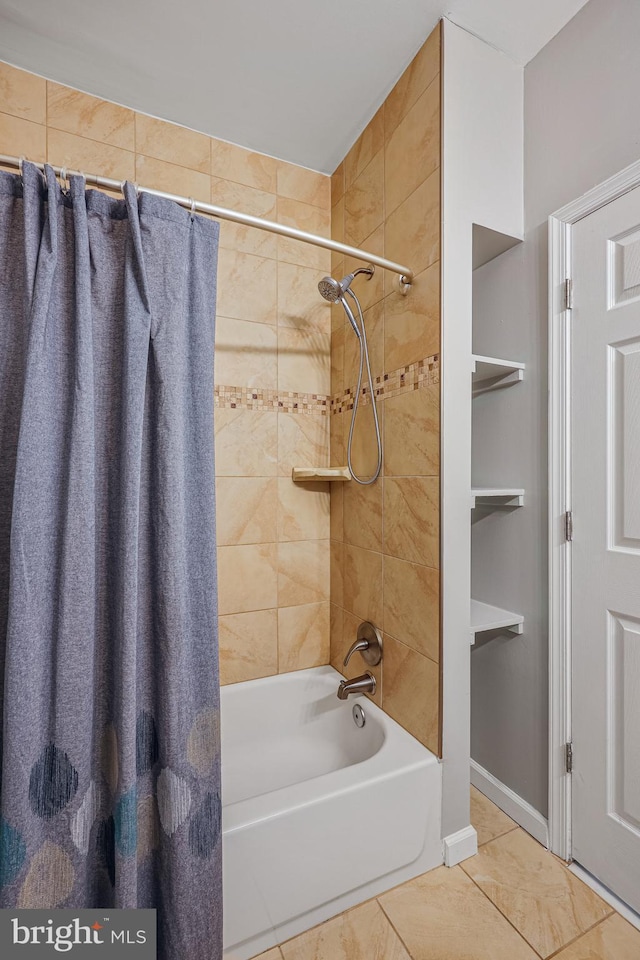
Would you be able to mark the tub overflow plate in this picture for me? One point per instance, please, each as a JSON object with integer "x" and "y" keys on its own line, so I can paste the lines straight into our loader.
{"x": 359, "y": 717}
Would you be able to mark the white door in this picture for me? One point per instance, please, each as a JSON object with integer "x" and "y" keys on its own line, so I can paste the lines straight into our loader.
{"x": 605, "y": 481}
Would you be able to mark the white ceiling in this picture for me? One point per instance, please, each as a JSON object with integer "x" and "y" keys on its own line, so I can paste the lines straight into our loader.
{"x": 297, "y": 79}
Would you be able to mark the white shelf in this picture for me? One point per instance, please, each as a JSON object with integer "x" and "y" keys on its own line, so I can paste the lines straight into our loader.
{"x": 311, "y": 474}
{"x": 490, "y": 373}
{"x": 486, "y": 617}
{"x": 497, "y": 497}
{"x": 489, "y": 244}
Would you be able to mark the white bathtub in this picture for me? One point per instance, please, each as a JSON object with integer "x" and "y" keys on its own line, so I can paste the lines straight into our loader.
{"x": 318, "y": 814}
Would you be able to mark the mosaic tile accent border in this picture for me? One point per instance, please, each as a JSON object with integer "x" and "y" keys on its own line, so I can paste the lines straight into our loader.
{"x": 255, "y": 398}
{"x": 416, "y": 376}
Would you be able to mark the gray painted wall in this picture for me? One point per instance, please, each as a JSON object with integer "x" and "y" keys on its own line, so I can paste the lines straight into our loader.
{"x": 582, "y": 125}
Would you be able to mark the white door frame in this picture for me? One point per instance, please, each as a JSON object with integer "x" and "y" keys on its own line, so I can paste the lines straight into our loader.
{"x": 560, "y": 239}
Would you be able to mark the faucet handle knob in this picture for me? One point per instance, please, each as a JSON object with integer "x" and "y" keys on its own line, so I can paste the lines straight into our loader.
{"x": 368, "y": 642}
{"x": 358, "y": 646}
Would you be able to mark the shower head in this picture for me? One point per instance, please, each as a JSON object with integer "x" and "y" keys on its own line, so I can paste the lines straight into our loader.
{"x": 330, "y": 289}
{"x": 334, "y": 290}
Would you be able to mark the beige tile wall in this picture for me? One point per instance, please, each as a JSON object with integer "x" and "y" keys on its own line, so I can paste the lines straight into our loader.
{"x": 385, "y": 539}
{"x": 273, "y": 334}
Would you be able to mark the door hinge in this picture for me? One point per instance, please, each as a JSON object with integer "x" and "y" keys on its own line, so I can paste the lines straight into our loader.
{"x": 568, "y": 294}
{"x": 568, "y": 525}
{"x": 568, "y": 757}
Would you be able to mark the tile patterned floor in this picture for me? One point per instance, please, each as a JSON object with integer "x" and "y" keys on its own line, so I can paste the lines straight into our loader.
{"x": 513, "y": 901}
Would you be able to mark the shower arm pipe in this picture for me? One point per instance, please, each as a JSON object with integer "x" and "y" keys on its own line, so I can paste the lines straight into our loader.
{"x": 405, "y": 275}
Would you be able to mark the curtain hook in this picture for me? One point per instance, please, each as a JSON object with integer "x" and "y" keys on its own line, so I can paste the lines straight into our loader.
{"x": 20, "y": 165}
{"x": 123, "y": 184}
{"x": 193, "y": 207}
{"x": 63, "y": 179}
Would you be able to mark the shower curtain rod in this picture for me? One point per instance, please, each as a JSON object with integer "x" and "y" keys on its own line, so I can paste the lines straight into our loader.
{"x": 405, "y": 275}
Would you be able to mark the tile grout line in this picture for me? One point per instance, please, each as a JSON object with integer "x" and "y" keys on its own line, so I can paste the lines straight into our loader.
{"x": 497, "y": 908}
{"x": 498, "y": 835}
{"x": 413, "y": 649}
{"x": 394, "y": 928}
{"x": 563, "y": 946}
{"x": 322, "y": 923}
{"x": 581, "y": 935}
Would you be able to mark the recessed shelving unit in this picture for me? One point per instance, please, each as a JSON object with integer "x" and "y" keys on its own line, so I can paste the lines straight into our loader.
{"x": 490, "y": 373}
{"x": 497, "y": 497}
{"x": 484, "y": 616}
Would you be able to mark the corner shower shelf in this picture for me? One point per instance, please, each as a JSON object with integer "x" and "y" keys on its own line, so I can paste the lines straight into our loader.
{"x": 311, "y": 474}
{"x": 489, "y": 373}
{"x": 497, "y": 497}
{"x": 486, "y": 617}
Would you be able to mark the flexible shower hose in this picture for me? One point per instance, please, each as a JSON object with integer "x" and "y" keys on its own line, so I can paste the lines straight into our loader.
{"x": 361, "y": 333}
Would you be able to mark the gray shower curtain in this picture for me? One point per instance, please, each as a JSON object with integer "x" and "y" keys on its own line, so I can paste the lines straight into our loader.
{"x": 110, "y": 789}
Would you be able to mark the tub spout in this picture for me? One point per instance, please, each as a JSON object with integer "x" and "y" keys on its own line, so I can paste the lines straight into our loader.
{"x": 364, "y": 684}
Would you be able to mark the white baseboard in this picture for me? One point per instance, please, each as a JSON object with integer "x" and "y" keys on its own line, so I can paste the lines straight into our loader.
{"x": 460, "y": 846}
{"x": 513, "y": 805}
{"x": 619, "y": 905}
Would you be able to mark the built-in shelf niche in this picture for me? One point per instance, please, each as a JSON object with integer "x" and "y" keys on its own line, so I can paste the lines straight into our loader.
{"x": 491, "y": 373}
{"x": 497, "y": 497}
{"x": 484, "y": 616}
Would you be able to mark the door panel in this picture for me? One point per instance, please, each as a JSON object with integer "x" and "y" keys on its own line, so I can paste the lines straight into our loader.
{"x": 624, "y": 268}
{"x": 605, "y": 482}
{"x": 624, "y": 756}
{"x": 624, "y": 455}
